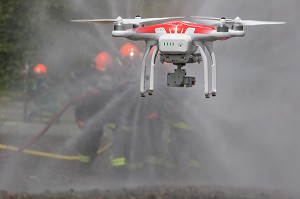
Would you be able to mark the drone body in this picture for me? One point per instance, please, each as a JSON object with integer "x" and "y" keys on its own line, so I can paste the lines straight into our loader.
{"x": 179, "y": 42}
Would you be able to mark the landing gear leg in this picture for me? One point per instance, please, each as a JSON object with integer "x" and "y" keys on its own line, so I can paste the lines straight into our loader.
{"x": 153, "y": 58}
{"x": 204, "y": 58}
{"x": 209, "y": 47}
{"x": 143, "y": 72}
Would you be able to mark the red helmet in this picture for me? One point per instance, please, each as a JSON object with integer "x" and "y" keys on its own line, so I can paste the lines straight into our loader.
{"x": 102, "y": 61}
{"x": 40, "y": 69}
{"x": 129, "y": 50}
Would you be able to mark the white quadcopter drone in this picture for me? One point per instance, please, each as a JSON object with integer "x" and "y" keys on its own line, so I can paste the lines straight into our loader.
{"x": 179, "y": 42}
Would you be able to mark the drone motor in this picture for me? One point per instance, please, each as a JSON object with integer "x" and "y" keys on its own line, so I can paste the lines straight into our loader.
{"x": 138, "y": 25}
{"x": 238, "y": 27}
{"x": 119, "y": 26}
{"x": 222, "y": 28}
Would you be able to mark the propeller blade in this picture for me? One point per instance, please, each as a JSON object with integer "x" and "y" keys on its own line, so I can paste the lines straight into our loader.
{"x": 145, "y": 20}
{"x": 237, "y": 20}
{"x": 217, "y": 21}
{"x": 105, "y": 21}
{"x": 209, "y": 22}
{"x": 206, "y": 18}
{"x": 136, "y": 20}
{"x": 256, "y": 23}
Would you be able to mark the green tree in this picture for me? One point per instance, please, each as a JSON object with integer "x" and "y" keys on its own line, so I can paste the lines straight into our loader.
{"x": 23, "y": 33}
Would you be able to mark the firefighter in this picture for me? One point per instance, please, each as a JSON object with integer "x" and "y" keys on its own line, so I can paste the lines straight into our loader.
{"x": 181, "y": 141}
{"x": 97, "y": 86}
{"x": 153, "y": 130}
{"x": 123, "y": 159}
{"x": 41, "y": 91}
{"x": 174, "y": 142}
{"x": 89, "y": 85}
{"x": 164, "y": 142}
{"x": 129, "y": 52}
{"x": 137, "y": 146}
{"x": 130, "y": 60}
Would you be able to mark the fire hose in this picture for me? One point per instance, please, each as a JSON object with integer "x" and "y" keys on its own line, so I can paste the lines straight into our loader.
{"x": 52, "y": 155}
{"x": 53, "y": 119}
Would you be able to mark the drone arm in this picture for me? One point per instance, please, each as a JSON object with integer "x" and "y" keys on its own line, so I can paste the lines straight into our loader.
{"x": 204, "y": 58}
{"x": 209, "y": 46}
{"x": 153, "y": 58}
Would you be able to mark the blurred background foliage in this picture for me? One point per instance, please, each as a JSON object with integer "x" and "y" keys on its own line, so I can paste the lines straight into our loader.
{"x": 23, "y": 33}
{"x": 39, "y": 31}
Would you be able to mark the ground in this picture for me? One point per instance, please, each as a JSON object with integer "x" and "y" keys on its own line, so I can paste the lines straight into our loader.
{"x": 154, "y": 192}
{"x": 26, "y": 176}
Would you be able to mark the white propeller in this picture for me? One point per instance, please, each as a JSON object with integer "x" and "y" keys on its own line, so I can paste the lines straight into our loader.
{"x": 237, "y": 20}
{"x": 136, "y": 20}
